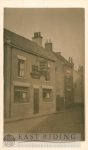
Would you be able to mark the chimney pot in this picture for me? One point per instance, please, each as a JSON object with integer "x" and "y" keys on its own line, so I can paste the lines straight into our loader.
{"x": 69, "y": 59}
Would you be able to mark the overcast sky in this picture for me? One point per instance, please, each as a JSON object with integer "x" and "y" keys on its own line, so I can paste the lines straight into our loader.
{"x": 65, "y": 28}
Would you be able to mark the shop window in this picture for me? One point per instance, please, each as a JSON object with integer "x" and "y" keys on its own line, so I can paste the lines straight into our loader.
{"x": 21, "y": 67}
{"x": 47, "y": 95}
{"x": 21, "y": 94}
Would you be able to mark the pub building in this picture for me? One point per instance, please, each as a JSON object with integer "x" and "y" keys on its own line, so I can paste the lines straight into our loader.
{"x": 37, "y": 80}
{"x": 29, "y": 76}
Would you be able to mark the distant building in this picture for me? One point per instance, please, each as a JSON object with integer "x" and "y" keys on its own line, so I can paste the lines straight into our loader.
{"x": 78, "y": 86}
{"x": 29, "y": 77}
{"x": 64, "y": 82}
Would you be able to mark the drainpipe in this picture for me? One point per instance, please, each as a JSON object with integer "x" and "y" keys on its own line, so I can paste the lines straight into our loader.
{"x": 9, "y": 48}
{"x": 10, "y": 83}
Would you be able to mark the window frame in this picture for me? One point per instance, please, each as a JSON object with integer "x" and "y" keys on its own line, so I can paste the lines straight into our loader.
{"x": 45, "y": 99}
{"x": 35, "y": 68}
{"x": 21, "y": 66}
{"x": 21, "y": 90}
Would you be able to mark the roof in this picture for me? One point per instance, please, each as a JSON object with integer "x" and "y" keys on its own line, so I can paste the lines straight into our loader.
{"x": 27, "y": 45}
{"x": 64, "y": 60}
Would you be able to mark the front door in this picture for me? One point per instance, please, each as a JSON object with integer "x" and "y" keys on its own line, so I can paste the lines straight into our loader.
{"x": 59, "y": 103}
{"x": 36, "y": 100}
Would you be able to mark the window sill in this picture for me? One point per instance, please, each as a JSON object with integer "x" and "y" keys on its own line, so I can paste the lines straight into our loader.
{"x": 47, "y": 101}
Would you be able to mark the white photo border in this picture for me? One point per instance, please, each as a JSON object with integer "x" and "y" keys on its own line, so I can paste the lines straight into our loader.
{"x": 44, "y": 4}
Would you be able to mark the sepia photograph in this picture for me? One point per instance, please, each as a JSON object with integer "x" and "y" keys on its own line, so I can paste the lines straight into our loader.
{"x": 44, "y": 74}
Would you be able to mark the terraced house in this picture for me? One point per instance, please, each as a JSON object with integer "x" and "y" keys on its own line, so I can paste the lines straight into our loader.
{"x": 64, "y": 82}
{"x": 29, "y": 76}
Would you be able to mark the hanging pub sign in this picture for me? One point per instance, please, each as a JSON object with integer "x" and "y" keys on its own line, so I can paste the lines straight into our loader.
{"x": 35, "y": 72}
{"x": 43, "y": 66}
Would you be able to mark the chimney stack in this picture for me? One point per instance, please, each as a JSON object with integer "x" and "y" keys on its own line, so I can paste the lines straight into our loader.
{"x": 37, "y": 38}
{"x": 70, "y": 60}
{"x": 48, "y": 45}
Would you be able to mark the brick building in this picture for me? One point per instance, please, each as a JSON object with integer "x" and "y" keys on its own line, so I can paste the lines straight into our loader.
{"x": 29, "y": 76}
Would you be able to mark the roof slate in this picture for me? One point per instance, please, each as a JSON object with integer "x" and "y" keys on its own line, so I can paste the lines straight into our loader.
{"x": 27, "y": 45}
{"x": 64, "y": 60}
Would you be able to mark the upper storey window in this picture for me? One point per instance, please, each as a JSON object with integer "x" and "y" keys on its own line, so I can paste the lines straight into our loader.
{"x": 21, "y": 66}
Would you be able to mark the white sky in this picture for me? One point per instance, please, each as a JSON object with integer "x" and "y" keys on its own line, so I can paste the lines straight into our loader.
{"x": 64, "y": 26}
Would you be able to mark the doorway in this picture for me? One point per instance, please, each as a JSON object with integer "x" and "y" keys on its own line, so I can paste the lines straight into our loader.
{"x": 36, "y": 100}
{"x": 59, "y": 103}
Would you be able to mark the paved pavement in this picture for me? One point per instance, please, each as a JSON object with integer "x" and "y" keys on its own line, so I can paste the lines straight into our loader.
{"x": 71, "y": 121}
{"x": 22, "y": 126}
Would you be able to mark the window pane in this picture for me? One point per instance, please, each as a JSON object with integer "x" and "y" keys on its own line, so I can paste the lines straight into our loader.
{"x": 47, "y": 94}
{"x": 21, "y": 67}
{"x": 21, "y": 94}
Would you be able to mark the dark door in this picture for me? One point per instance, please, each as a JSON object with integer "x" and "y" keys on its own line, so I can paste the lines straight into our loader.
{"x": 36, "y": 100}
{"x": 59, "y": 103}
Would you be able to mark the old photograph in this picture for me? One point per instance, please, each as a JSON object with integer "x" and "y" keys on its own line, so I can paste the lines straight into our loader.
{"x": 44, "y": 70}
